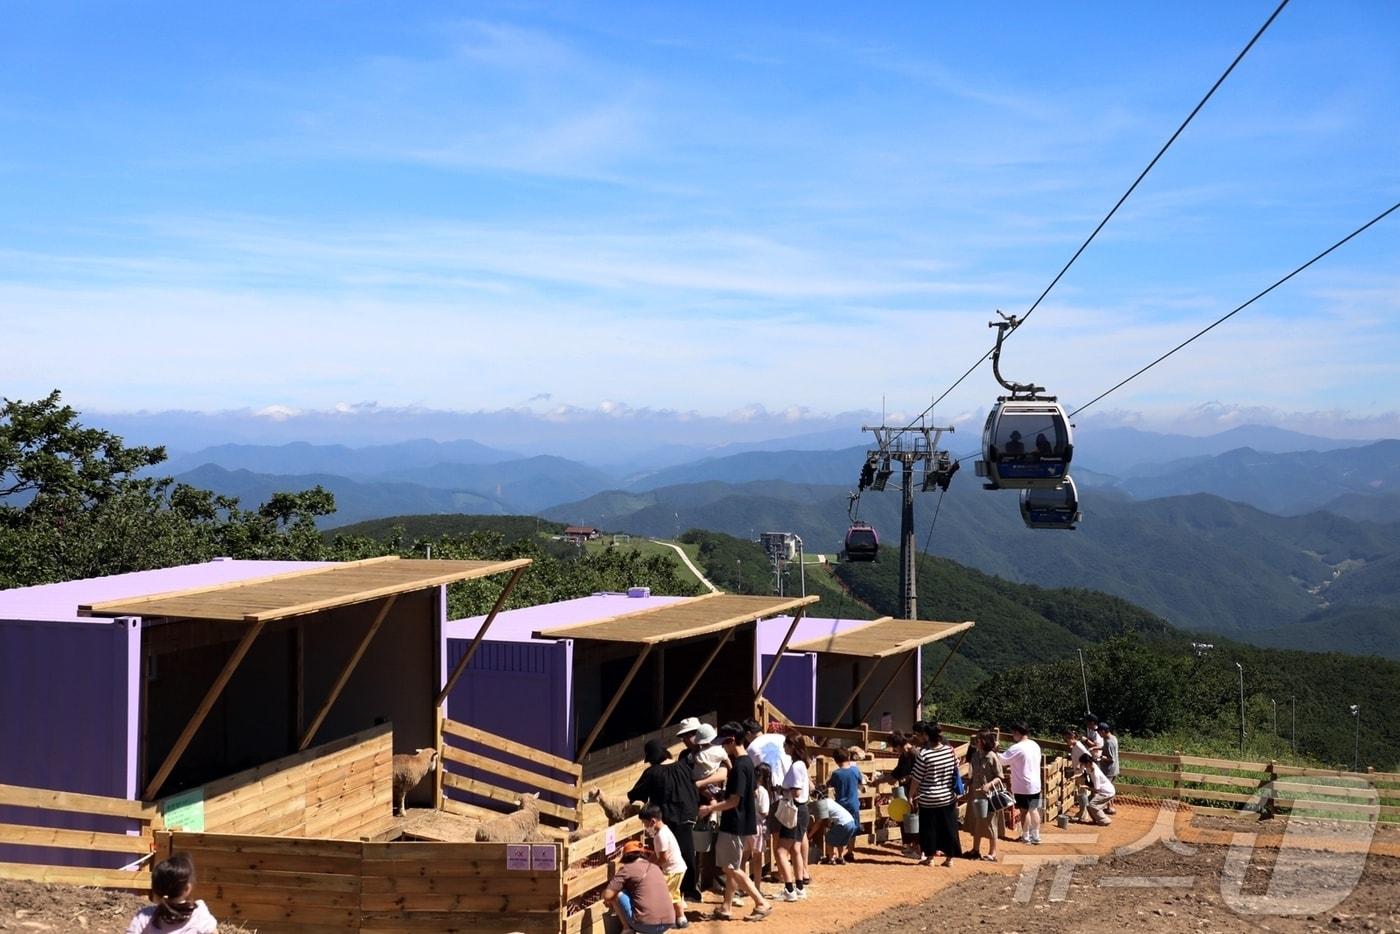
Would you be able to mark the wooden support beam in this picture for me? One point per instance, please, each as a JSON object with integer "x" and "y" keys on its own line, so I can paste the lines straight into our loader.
{"x": 874, "y": 667}
{"x": 466, "y": 659}
{"x": 919, "y": 704}
{"x": 612, "y": 704}
{"x": 772, "y": 669}
{"x": 211, "y": 696}
{"x": 349, "y": 669}
{"x": 699, "y": 673}
{"x": 908, "y": 657}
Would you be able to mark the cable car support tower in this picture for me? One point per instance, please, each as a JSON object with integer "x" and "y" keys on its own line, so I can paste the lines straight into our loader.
{"x": 912, "y": 447}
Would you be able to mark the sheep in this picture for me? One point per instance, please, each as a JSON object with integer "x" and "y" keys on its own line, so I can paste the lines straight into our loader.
{"x": 409, "y": 770}
{"x": 857, "y": 754}
{"x": 616, "y": 807}
{"x": 515, "y": 827}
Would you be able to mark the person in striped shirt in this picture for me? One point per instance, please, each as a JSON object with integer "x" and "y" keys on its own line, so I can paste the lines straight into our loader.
{"x": 931, "y": 790}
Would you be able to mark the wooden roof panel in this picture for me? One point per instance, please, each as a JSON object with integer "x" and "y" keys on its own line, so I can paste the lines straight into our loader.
{"x": 883, "y": 637}
{"x": 697, "y": 617}
{"x": 303, "y": 591}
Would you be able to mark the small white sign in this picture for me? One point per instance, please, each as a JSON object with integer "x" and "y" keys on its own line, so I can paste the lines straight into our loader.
{"x": 544, "y": 857}
{"x": 609, "y": 841}
{"x": 518, "y": 856}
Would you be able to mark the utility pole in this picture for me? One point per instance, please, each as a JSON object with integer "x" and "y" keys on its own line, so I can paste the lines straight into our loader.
{"x": 910, "y": 446}
{"x": 1084, "y": 677}
{"x": 1356, "y": 749}
{"x": 1293, "y": 709}
{"x": 1274, "y": 704}
{"x": 1241, "y": 668}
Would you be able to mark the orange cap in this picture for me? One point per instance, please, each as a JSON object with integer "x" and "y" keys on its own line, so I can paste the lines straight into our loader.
{"x": 632, "y": 847}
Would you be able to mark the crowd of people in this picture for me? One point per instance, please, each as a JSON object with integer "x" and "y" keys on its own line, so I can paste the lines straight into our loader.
{"x": 755, "y": 786}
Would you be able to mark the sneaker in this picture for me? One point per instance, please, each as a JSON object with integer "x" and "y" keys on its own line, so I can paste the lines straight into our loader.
{"x": 684, "y": 922}
{"x": 737, "y": 900}
{"x": 787, "y": 895}
{"x": 801, "y": 894}
{"x": 1034, "y": 841}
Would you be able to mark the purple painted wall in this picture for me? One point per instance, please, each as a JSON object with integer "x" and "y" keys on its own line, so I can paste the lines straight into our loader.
{"x": 68, "y": 719}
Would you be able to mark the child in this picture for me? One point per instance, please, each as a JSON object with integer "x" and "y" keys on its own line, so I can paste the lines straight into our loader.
{"x": 173, "y": 912}
{"x": 845, "y": 784}
{"x": 666, "y": 853}
{"x": 1101, "y": 792}
{"x": 834, "y": 826}
{"x": 763, "y": 803}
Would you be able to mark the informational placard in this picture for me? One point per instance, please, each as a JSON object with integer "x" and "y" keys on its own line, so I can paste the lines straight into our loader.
{"x": 184, "y": 811}
{"x": 609, "y": 841}
{"x": 518, "y": 856}
{"x": 544, "y": 857}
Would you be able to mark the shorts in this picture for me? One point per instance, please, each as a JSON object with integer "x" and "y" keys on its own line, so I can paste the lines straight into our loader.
{"x": 673, "y": 886}
{"x": 731, "y": 850}
{"x": 798, "y": 831}
{"x": 838, "y": 835}
{"x": 1028, "y": 802}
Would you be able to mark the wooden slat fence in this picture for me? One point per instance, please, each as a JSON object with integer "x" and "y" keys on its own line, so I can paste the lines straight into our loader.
{"x": 316, "y": 886}
{"x": 123, "y": 835}
{"x": 1232, "y": 787}
{"x": 485, "y": 772}
{"x": 342, "y": 790}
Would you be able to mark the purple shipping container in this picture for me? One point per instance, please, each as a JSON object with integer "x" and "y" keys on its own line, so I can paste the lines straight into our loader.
{"x": 70, "y": 693}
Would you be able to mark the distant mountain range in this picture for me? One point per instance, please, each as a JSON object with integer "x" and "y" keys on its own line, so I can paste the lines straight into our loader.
{"x": 1284, "y": 548}
{"x": 1199, "y": 561}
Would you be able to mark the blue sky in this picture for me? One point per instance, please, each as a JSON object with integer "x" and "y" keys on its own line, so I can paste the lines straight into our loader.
{"x": 694, "y": 207}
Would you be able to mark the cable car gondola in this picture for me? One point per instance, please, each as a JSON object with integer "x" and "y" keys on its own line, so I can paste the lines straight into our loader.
{"x": 1027, "y": 442}
{"x": 862, "y": 543}
{"x": 1056, "y": 508}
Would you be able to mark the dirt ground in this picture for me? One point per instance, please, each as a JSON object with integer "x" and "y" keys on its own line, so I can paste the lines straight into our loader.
{"x": 1152, "y": 868}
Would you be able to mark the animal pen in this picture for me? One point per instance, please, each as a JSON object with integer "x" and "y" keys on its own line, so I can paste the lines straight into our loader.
{"x": 843, "y": 672}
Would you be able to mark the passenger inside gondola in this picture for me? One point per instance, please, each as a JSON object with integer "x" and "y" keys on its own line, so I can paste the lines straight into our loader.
{"x": 1042, "y": 445}
{"x": 1014, "y": 447}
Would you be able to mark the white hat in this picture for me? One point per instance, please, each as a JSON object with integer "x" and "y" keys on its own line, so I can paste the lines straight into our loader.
{"x": 705, "y": 735}
{"x": 688, "y": 725}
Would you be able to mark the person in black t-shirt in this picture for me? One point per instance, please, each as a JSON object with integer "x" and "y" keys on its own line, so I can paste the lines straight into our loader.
{"x": 668, "y": 786}
{"x": 738, "y": 824}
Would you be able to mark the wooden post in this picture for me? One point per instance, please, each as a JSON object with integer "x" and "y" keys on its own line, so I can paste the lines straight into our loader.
{"x": 695, "y": 681}
{"x": 919, "y": 704}
{"x": 908, "y": 657}
{"x": 343, "y": 678}
{"x": 1176, "y": 775}
{"x": 441, "y": 764}
{"x": 854, "y": 694}
{"x": 612, "y": 704}
{"x": 211, "y": 696}
{"x": 480, "y": 634}
{"x": 787, "y": 637}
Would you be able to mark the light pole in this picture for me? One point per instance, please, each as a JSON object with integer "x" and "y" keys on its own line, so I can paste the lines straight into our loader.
{"x": 1241, "y": 668}
{"x": 1356, "y": 749}
{"x": 1293, "y": 709}
{"x": 1274, "y": 704}
{"x": 1084, "y": 678}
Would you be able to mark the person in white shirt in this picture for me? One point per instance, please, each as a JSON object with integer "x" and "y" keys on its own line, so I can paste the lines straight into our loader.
{"x": 1023, "y": 761}
{"x": 173, "y": 912}
{"x": 666, "y": 853}
{"x": 1077, "y": 746}
{"x": 1101, "y": 791}
{"x": 711, "y": 764}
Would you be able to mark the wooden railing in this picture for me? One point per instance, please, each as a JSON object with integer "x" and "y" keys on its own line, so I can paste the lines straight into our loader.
{"x": 113, "y": 843}
{"x": 504, "y": 771}
{"x": 311, "y": 886}
{"x": 1232, "y": 787}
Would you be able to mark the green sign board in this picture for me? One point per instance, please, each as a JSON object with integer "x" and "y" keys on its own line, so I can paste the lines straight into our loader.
{"x": 185, "y": 811}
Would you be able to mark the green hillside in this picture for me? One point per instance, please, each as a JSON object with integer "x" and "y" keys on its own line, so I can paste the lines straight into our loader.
{"x": 1142, "y": 672}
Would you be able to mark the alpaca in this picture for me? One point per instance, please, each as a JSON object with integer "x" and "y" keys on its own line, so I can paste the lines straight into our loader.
{"x": 515, "y": 827}
{"x": 409, "y": 771}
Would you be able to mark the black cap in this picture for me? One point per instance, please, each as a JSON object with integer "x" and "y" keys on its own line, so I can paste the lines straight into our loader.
{"x": 655, "y": 751}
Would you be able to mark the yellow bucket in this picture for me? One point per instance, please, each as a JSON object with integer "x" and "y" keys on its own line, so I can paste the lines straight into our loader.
{"x": 898, "y": 809}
